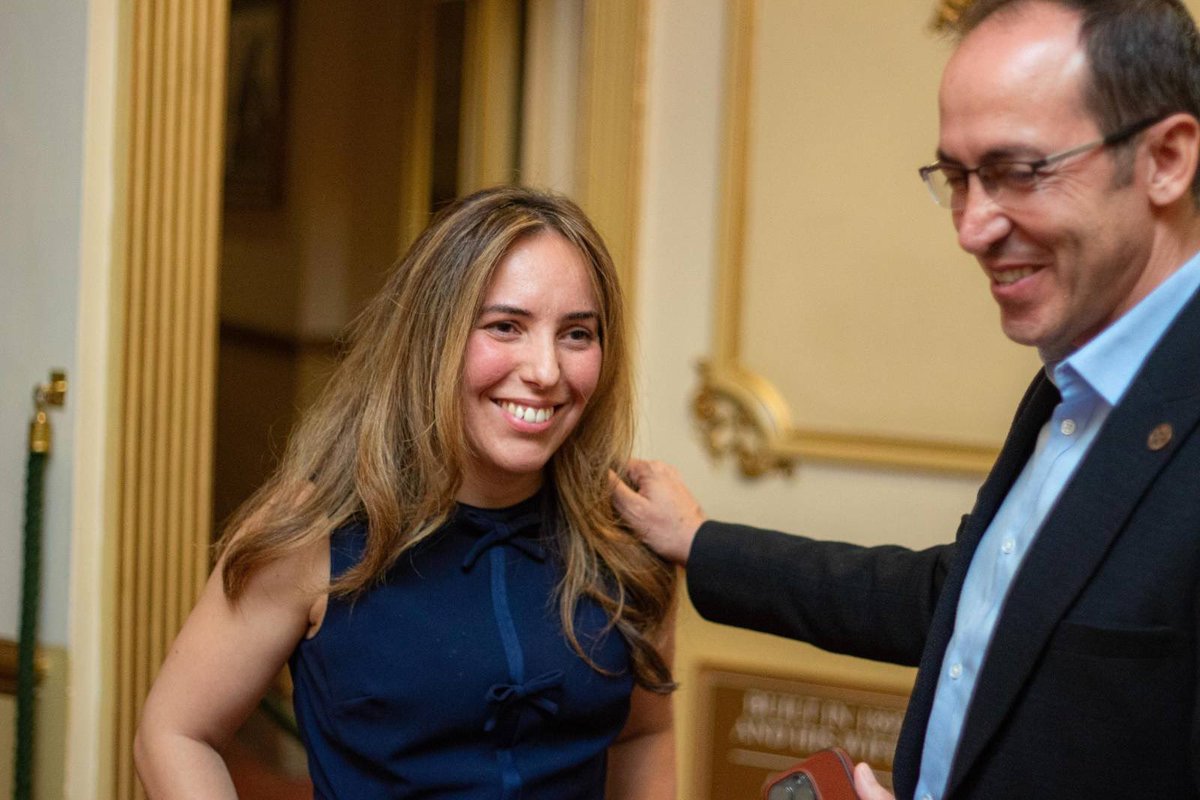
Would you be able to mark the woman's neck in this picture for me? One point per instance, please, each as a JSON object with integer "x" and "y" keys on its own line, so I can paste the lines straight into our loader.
{"x": 498, "y": 494}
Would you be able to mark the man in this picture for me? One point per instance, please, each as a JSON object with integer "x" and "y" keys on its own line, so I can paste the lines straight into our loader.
{"x": 1058, "y": 636}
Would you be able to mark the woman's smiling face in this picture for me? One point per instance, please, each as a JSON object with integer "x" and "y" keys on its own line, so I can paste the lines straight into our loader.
{"x": 532, "y": 362}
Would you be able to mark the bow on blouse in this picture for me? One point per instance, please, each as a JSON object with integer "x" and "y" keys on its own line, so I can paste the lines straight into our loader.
{"x": 539, "y": 692}
{"x": 496, "y": 532}
{"x": 535, "y": 692}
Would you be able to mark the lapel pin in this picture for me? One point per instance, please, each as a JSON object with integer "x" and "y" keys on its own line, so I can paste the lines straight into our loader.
{"x": 1160, "y": 437}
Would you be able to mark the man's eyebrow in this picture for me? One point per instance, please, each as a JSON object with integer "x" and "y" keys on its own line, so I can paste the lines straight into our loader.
{"x": 1011, "y": 153}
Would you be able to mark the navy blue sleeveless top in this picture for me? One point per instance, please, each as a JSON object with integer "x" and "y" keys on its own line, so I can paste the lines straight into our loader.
{"x": 453, "y": 679}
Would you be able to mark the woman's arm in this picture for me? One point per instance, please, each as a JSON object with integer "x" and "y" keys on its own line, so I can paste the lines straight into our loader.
{"x": 641, "y": 763}
{"x": 219, "y": 667}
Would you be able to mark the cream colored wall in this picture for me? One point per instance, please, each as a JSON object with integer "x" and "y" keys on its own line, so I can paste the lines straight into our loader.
{"x": 40, "y": 164}
{"x": 42, "y": 244}
{"x": 675, "y": 315}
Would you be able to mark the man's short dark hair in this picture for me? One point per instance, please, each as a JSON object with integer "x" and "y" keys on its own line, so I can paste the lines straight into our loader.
{"x": 1144, "y": 57}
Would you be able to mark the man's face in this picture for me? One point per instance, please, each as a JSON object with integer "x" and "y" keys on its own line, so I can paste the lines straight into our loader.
{"x": 1067, "y": 259}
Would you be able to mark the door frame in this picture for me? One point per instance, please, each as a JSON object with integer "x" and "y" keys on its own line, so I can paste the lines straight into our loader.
{"x": 147, "y": 332}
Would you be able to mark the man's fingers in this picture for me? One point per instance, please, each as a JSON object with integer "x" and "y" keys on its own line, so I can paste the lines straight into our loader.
{"x": 636, "y": 468}
{"x": 866, "y": 785}
{"x": 624, "y": 498}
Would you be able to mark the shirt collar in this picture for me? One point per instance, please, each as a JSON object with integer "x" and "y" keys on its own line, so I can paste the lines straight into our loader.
{"x": 1110, "y": 361}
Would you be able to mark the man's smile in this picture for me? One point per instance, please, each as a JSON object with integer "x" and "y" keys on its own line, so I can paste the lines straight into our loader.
{"x": 1007, "y": 277}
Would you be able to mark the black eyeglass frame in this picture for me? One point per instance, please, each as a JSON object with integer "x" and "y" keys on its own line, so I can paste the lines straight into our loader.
{"x": 1035, "y": 168}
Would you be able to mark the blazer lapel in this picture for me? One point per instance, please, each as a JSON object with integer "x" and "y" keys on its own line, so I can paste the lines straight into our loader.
{"x": 1077, "y": 534}
{"x": 1035, "y": 408}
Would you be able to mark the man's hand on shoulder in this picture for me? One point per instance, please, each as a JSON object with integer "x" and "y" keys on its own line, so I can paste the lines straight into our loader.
{"x": 660, "y": 510}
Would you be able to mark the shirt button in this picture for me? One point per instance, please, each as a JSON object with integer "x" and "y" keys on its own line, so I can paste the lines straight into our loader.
{"x": 1008, "y": 546}
{"x": 927, "y": 796}
{"x": 956, "y": 672}
{"x": 1067, "y": 427}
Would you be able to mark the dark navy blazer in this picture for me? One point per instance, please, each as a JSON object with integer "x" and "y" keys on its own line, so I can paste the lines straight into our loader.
{"x": 1089, "y": 688}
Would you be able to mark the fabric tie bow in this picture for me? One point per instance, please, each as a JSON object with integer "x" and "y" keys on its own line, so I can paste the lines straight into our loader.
{"x": 496, "y": 532}
{"x": 503, "y": 696}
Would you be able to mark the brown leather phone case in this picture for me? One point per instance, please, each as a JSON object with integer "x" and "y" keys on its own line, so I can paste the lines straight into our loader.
{"x": 831, "y": 773}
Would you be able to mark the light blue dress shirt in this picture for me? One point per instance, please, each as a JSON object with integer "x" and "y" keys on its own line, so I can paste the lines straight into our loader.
{"x": 1092, "y": 381}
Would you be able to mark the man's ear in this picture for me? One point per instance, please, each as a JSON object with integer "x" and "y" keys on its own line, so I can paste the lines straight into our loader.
{"x": 1173, "y": 146}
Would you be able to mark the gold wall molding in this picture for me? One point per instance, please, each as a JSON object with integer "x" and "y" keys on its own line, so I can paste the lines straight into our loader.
{"x": 167, "y": 269}
{"x": 611, "y": 107}
{"x": 416, "y": 169}
{"x": 490, "y": 94}
{"x": 741, "y": 414}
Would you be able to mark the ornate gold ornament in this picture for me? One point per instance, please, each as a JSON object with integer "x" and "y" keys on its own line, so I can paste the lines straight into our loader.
{"x": 947, "y": 14}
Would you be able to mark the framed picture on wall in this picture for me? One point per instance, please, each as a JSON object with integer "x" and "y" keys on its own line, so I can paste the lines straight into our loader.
{"x": 753, "y": 725}
{"x": 255, "y": 104}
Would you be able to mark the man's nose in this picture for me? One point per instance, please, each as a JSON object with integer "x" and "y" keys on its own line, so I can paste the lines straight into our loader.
{"x": 980, "y": 222}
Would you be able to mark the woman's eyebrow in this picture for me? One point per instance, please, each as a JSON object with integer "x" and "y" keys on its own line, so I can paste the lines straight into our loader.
{"x": 502, "y": 308}
{"x": 517, "y": 311}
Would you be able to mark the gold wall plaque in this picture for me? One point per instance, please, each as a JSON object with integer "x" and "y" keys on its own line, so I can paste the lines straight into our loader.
{"x": 754, "y": 725}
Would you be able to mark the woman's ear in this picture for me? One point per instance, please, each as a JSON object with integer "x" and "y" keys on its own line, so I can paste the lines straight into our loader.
{"x": 1172, "y": 148}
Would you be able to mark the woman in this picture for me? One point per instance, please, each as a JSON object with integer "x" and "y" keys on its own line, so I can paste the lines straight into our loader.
{"x": 437, "y": 558}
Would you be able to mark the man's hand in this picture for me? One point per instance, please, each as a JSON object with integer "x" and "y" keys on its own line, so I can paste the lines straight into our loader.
{"x": 867, "y": 786}
{"x": 662, "y": 512}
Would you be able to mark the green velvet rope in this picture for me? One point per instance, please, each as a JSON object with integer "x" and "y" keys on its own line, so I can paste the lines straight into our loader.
{"x": 27, "y": 646}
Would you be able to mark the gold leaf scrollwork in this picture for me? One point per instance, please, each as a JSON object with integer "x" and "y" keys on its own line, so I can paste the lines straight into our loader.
{"x": 738, "y": 415}
{"x": 947, "y": 14}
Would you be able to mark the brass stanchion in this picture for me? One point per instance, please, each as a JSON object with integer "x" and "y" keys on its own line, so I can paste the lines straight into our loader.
{"x": 45, "y": 395}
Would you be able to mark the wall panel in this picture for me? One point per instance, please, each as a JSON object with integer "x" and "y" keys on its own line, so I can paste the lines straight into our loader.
{"x": 176, "y": 105}
{"x": 843, "y": 300}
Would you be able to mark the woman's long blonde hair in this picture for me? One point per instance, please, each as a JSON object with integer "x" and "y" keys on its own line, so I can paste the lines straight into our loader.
{"x": 386, "y": 441}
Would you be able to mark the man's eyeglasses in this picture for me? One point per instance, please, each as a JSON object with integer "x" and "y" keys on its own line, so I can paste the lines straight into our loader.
{"x": 1009, "y": 182}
